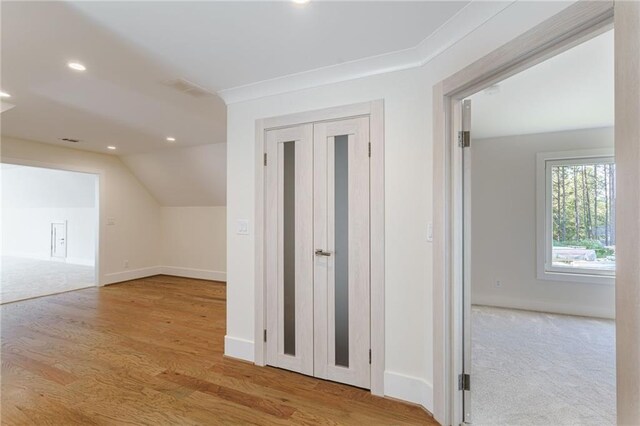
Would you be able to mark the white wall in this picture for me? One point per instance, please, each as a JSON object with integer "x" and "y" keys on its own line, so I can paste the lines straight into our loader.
{"x": 183, "y": 176}
{"x": 135, "y": 233}
{"x": 408, "y": 186}
{"x": 503, "y": 226}
{"x": 33, "y": 198}
{"x": 194, "y": 242}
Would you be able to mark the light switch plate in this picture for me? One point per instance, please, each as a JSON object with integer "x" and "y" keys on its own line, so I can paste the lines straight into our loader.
{"x": 430, "y": 232}
{"x": 242, "y": 227}
{"x": 111, "y": 221}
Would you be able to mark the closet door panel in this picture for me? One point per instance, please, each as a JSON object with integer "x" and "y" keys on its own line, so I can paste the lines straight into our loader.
{"x": 341, "y": 230}
{"x": 289, "y": 248}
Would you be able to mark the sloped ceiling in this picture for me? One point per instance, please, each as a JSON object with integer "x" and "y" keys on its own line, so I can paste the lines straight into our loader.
{"x": 573, "y": 90}
{"x": 190, "y": 176}
{"x": 131, "y": 48}
{"x": 119, "y": 100}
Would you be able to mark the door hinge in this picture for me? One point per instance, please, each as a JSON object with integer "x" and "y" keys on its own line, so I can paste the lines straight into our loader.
{"x": 464, "y": 139}
{"x": 369, "y": 149}
{"x": 265, "y": 158}
{"x": 369, "y": 356}
{"x": 464, "y": 382}
{"x": 264, "y": 334}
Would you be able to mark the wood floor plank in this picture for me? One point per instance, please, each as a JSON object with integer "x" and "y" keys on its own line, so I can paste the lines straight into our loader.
{"x": 150, "y": 351}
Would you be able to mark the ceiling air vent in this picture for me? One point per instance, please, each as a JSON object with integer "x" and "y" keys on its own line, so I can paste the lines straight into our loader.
{"x": 185, "y": 86}
{"x": 70, "y": 140}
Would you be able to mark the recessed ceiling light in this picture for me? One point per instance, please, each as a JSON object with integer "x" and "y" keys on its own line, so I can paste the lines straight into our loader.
{"x": 300, "y": 1}
{"x": 76, "y": 66}
{"x": 111, "y": 147}
{"x": 171, "y": 139}
{"x": 4, "y": 95}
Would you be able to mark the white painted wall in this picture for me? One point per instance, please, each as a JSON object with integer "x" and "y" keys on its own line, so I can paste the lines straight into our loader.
{"x": 135, "y": 235}
{"x": 503, "y": 226}
{"x": 183, "y": 176}
{"x": 27, "y": 232}
{"x": 33, "y": 198}
{"x": 194, "y": 242}
{"x": 408, "y": 173}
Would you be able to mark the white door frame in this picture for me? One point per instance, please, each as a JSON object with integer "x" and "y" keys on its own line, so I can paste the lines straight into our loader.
{"x": 574, "y": 25}
{"x": 53, "y": 243}
{"x": 375, "y": 111}
{"x": 99, "y": 194}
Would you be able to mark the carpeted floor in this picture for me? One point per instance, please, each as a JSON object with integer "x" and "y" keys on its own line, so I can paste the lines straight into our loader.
{"x": 24, "y": 278}
{"x": 533, "y": 368}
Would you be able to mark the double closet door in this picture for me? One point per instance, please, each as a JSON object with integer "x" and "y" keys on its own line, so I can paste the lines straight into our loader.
{"x": 317, "y": 250}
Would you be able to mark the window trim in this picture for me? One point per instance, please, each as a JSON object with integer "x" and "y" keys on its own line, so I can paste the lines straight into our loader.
{"x": 544, "y": 220}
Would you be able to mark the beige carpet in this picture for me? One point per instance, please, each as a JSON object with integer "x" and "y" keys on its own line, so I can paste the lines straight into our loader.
{"x": 534, "y": 368}
{"x": 24, "y": 278}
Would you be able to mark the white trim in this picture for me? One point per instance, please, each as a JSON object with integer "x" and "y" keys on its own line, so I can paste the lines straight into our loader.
{"x": 544, "y": 306}
{"x": 134, "y": 274}
{"x": 543, "y": 220}
{"x": 70, "y": 260}
{"x": 464, "y": 22}
{"x": 200, "y": 274}
{"x": 80, "y": 261}
{"x": 409, "y": 388}
{"x": 375, "y": 110}
{"x": 575, "y": 24}
{"x": 236, "y": 347}
{"x": 627, "y": 135}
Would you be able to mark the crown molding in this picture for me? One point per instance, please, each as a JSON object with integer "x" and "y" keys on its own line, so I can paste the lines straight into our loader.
{"x": 464, "y": 22}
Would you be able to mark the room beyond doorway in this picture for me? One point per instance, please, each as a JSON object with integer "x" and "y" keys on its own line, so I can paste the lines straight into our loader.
{"x": 49, "y": 231}
{"x": 540, "y": 254}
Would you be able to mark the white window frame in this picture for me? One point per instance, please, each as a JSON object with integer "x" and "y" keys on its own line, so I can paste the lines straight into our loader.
{"x": 544, "y": 229}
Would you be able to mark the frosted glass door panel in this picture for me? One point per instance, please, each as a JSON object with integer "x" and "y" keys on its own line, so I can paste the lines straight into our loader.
{"x": 341, "y": 231}
{"x": 289, "y": 248}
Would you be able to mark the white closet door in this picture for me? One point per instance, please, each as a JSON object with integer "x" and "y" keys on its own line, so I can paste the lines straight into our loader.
{"x": 341, "y": 231}
{"x": 289, "y": 248}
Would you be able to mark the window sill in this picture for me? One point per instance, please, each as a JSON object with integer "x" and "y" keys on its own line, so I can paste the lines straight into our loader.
{"x": 583, "y": 278}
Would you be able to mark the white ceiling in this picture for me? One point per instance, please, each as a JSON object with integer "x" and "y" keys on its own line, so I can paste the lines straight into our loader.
{"x": 131, "y": 48}
{"x": 221, "y": 45}
{"x": 118, "y": 101}
{"x": 573, "y": 90}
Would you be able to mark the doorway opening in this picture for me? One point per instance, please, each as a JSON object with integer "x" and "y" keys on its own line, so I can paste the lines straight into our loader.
{"x": 49, "y": 231}
{"x": 539, "y": 196}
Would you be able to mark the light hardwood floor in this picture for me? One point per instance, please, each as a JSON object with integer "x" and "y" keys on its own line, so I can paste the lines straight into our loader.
{"x": 150, "y": 351}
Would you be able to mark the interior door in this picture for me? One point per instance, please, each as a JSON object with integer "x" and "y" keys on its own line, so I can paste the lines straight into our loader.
{"x": 341, "y": 237}
{"x": 289, "y": 248}
{"x": 59, "y": 240}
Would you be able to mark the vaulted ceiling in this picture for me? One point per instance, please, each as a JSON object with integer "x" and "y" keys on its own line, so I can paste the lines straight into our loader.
{"x": 136, "y": 51}
{"x": 573, "y": 90}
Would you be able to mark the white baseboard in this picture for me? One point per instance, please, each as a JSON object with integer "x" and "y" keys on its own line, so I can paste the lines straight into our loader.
{"x": 235, "y": 347}
{"x": 134, "y": 274}
{"x": 201, "y": 274}
{"x": 48, "y": 258}
{"x": 80, "y": 261}
{"x": 409, "y": 388}
{"x": 549, "y": 307}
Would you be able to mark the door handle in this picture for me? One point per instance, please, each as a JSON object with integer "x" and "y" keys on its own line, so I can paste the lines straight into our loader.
{"x": 320, "y": 252}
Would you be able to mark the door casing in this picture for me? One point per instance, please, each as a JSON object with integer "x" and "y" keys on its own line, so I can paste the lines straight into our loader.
{"x": 574, "y": 25}
{"x": 375, "y": 111}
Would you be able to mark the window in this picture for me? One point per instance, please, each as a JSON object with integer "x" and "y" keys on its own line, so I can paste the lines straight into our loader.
{"x": 576, "y": 216}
